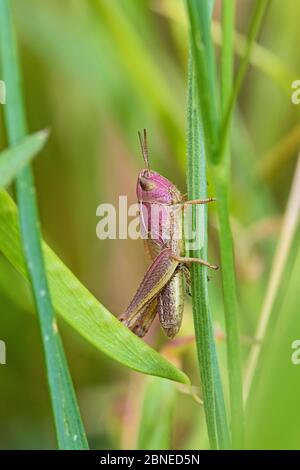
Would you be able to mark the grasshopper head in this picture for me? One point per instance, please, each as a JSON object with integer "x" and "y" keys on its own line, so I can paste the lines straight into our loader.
{"x": 151, "y": 186}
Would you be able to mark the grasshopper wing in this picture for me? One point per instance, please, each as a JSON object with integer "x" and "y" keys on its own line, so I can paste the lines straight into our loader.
{"x": 142, "y": 309}
{"x": 142, "y": 320}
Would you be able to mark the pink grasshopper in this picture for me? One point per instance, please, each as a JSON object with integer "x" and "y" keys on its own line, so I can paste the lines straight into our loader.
{"x": 162, "y": 288}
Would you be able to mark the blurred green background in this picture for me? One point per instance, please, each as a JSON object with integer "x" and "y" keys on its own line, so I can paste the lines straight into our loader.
{"x": 95, "y": 72}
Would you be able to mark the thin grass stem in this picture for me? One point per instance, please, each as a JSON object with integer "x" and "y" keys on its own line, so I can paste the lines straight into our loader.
{"x": 69, "y": 428}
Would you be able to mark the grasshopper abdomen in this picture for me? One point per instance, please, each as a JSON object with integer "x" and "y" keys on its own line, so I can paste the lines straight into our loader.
{"x": 170, "y": 305}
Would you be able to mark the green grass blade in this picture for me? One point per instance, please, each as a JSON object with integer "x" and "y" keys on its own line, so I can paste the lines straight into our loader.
{"x": 78, "y": 307}
{"x": 221, "y": 180}
{"x": 211, "y": 5}
{"x": 256, "y": 21}
{"x": 146, "y": 75}
{"x": 220, "y": 173}
{"x": 230, "y": 307}
{"x": 261, "y": 58}
{"x": 273, "y": 405}
{"x": 227, "y": 52}
{"x": 224, "y": 438}
{"x": 285, "y": 255}
{"x": 157, "y": 413}
{"x": 208, "y": 363}
{"x": 15, "y": 158}
{"x": 203, "y": 56}
{"x": 221, "y": 183}
{"x": 69, "y": 428}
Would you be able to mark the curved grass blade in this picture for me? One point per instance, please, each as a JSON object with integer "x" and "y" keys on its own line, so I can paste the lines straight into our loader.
{"x": 15, "y": 158}
{"x": 69, "y": 428}
{"x": 78, "y": 307}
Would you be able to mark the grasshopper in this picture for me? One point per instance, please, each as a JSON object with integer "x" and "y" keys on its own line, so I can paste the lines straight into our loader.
{"x": 161, "y": 209}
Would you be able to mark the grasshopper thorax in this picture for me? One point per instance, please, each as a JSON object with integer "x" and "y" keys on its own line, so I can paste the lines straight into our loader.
{"x": 154, "y": 188}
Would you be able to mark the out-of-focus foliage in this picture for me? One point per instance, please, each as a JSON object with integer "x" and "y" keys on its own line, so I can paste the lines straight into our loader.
{"x": 155, "y": 426}
{"x": 14, "y": 159}
{"x": 96, "y": 71}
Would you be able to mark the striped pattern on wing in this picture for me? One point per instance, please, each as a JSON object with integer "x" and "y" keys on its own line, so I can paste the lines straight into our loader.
{"x": 157, "y": 276}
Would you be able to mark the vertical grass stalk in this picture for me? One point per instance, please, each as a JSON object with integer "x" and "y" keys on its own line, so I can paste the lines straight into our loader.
{"x": 221, "y": 173}
{"x": 204, "y": 63}
{"x": 217, "y": 142}
{"x": 69, "y": 428}
{"x": 208, "y": 363}
{"x": 230, "y": 307}
{"x": 255, "y": 24}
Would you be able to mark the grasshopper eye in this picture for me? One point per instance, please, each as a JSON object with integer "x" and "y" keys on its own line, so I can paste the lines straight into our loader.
{"x": 146, "y": 184}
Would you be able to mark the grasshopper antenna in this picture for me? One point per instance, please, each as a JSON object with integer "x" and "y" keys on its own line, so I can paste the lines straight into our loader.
{"x": 144, "y": 148}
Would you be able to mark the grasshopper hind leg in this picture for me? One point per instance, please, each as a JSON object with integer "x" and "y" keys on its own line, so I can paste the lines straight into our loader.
{"x": 187, "y": 278}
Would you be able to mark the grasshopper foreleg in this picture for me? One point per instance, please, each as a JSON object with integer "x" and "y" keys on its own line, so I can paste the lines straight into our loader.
{"x": 199, "y": 201}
